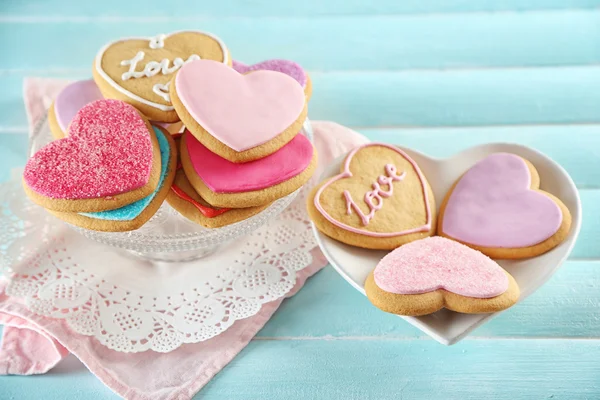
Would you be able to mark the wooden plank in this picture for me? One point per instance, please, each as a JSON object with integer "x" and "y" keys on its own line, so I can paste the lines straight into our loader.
{"x": 355, "y": 369}
{"x": 387, "y": 42}
{"x": 371, "y": 369}
{"x": 577, "y": 156}
{"x": 342, "y": 311}
{"x": 68, "y": 380}
{"x": 458, "y": 97}
{"x": 262, "y": 8}
{"x": 422, "y": 98}
{"x": 574, "y": 147}
{"x": 328, "y": 307}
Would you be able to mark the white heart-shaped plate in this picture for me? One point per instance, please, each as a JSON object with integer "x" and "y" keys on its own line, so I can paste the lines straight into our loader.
{"x": 447, "y": 327}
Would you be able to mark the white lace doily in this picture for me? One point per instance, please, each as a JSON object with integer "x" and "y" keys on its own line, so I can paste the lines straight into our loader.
{"x": 132, "y": 305}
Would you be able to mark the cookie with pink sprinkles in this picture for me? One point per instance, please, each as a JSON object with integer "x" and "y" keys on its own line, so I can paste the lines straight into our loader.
{"x": 427, "y": 275}
{"x": 110, "y": 158}
{"x": 134, "y": 215}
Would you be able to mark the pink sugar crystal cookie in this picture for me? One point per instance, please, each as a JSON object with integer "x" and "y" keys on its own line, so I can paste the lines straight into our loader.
{"x": 109, "y": 158}
{"x": 438, "y": 263}
{"x": 428, "y": 274}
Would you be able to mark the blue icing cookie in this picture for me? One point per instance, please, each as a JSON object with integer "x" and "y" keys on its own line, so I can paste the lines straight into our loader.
{"x": 131, "y": 211}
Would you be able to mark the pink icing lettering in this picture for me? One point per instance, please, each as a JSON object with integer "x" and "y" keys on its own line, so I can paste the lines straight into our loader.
{"x": 377, "y": 193}
{"x": 347, "y": 173}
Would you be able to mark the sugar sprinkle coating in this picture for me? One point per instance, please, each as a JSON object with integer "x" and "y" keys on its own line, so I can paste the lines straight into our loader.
{"x": 438, "y": 263}
{"x": 108, "y": 151}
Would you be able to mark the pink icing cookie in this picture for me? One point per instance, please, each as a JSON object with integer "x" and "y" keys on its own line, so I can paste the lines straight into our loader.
{"x": 239, "y": 117}
{"x": 496, "y": 204}
{"x": 426, "y": 275}
{"x": 439, "y": 263}
{"x": 108, "y": 152}
{"x": 222, "y": 176}
{"x": 218, "y": 180}
{"x": 284, "y": 66}
{"x": 70, "y": 100}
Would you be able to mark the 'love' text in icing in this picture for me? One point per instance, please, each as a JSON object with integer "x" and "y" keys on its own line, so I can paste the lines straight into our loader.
{"x": 153, "y": 67}
{"x": 377, "y": 193}
{"x": 346, "y": 173}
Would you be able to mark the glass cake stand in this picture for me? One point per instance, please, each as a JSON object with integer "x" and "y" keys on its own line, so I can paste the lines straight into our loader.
{"x": 169, "y": 236}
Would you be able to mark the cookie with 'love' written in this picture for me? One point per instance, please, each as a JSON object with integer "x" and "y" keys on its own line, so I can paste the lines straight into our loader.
{"x": 497, "y": 207}
{"x": 139, "y": 70}
{"x": 240, "y": 117}
{"x": 68, "y": 102}
{"x": 110, "y": 158}
{"x": 380, "y": 200}
{"x": 426, "y": 275}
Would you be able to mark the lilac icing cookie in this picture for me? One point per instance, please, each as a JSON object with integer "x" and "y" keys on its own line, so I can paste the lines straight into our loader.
{"x": 496, "y": 207}
{"x": 284, "y": 66}
{"x": 68, "y": 102}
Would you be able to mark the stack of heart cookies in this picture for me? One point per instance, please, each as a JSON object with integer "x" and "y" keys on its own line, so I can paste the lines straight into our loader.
{"x": 241, "y": 148}
{"x": 111, "y": 172}
{"x": 173, "y": 117}
{"x": 381, "y": 200}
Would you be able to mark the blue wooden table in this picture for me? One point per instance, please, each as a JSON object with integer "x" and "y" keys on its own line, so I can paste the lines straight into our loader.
{"x": 438, "y": 76}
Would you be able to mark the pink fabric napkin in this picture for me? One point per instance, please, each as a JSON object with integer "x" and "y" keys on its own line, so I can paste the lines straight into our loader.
{"x": 32, "y": 344}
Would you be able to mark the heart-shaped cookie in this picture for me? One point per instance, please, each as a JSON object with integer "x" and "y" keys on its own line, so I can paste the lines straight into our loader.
{"x": 136, "y": 214}
{"x": 68, "y": 102}
{"x": 380, "y": 200}
{"x": 139, "y": 70}
{"x": 109, "y": 158}
{"x": 424, "y": 276}
{"x": 239, "y": 117}
{"x": 183, "y": 198}
{"x": 496, "y": 207}
{"x": 284, "y": 66}
{"x": 223, "y": 183}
